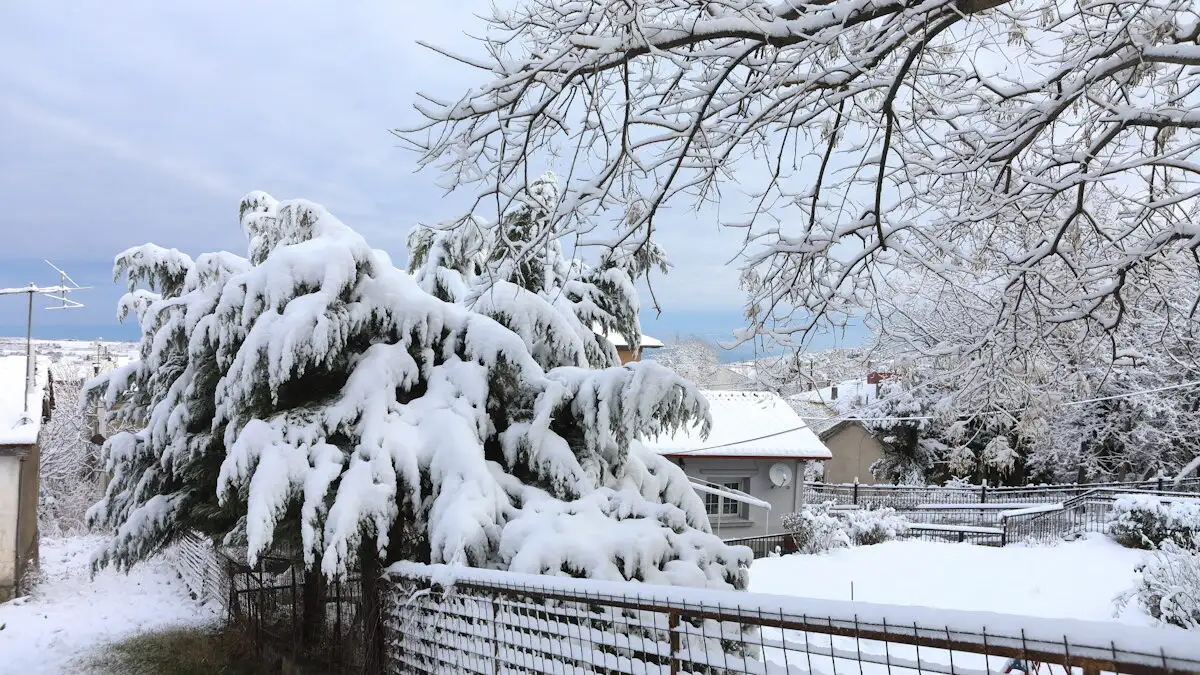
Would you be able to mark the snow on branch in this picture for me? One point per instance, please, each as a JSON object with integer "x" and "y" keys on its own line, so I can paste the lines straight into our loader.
{"x": 873, "y": 141}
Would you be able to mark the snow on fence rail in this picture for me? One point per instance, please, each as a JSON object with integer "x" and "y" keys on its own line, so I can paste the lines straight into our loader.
{"x": 440, "y": 619}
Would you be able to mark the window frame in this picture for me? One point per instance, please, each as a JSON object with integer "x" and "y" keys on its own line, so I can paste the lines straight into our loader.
{"x": 741, "y": 510}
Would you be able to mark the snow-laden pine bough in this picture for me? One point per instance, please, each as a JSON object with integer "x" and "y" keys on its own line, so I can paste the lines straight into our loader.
{"x": 313, "y": 397}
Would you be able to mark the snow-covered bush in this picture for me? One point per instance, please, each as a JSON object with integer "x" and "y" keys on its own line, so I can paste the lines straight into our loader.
{"x": 865, "y": 527}
{"x": 815, "y": 529}
{"x": 1167, "y": 585}
{"x": 814, "y": 471}
{"x": 1144, "y": 521}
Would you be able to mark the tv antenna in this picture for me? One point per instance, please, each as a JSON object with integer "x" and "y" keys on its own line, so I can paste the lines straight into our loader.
{"x": 58, "y": 293}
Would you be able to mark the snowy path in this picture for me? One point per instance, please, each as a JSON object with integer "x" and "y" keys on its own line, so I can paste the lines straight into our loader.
{"x": 69, "y": 615}
{"x": 1076, "y": 580}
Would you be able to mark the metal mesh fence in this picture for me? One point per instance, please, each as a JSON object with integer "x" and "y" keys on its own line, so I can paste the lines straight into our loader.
{"x": 289, "y": 613}
{"x": 201, "y": 568}
{"x": 912, "y": 497}
{"x": 489, "y": 622}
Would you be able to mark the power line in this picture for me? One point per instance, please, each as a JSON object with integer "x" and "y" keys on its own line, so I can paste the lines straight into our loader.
{"x": 914, "y": 418}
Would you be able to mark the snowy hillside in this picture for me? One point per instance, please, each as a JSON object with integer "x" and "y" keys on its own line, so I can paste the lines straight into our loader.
{"x": 71, "y": 352}
{"x": 812, "y": 370}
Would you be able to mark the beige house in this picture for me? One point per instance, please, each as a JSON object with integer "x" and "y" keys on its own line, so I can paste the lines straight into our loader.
{"x": 750, "y": 468}
{"x": 854, "y": 450}
{"x": 853, "y": 447}
{"x": 24, "y": 405}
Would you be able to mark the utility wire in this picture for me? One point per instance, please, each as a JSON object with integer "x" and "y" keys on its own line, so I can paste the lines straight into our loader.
{"x": 851, "y": 416}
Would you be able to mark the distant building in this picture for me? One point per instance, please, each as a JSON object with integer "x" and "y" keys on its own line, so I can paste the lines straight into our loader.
{"x": 853, "y": 446}
{"x": 20, "y": 455}
{"x": 758, "y": 445}
{"x": 626, "y": 352}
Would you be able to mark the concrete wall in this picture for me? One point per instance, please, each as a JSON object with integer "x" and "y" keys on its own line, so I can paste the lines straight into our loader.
{"x": 18, "y": 517}
{"x": 854, "y": 450}
{"x": 10, "y": 481}
{"x": 27, "y": 523}
{"x": 752, "y": 520}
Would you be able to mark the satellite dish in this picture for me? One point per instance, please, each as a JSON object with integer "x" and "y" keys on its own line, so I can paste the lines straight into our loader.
{"x": 780, "y": 475}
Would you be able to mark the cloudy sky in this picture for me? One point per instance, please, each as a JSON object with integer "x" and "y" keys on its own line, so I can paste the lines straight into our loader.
{"x": 137, "y": 121}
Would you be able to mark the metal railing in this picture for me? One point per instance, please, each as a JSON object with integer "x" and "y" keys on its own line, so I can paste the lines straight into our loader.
{"x": 1086, "y": 512}
{"x": 905, "y": 497}
{"x": 440, "y": 620}
{"x": 764, "y": 545}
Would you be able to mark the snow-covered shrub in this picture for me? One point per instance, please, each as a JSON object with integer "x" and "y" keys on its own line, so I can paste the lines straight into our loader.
{"x": 865, "y": 527}
{"x": 814, "y": 472}
{"x": 815, "y": 529}
{"x": 1144, "y": 521}
{"x": 1167, "y": 585}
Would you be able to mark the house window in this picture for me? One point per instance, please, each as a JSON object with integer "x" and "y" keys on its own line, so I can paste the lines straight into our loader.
{"x": 723, "y": 506}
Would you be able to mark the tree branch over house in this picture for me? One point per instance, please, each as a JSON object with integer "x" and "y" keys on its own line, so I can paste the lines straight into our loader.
{"x": 963, "y": 143}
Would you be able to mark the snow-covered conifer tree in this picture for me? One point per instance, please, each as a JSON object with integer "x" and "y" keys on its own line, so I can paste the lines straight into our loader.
{"x": 517, "y": 273}
{"x": 311, "y": 395}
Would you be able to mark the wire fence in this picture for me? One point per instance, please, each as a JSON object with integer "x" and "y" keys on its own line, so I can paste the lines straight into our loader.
{"x": 440, "y": 620}
{"x": 302, "y": 618}
{"x": 991, "y": 524}
{"x": 201, "y": 567}
{"x": 904, "y": 497}
{"x": 1090, "y": 511}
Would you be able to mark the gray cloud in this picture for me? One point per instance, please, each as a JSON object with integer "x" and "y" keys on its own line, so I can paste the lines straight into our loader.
{"x": 128, "y": 122}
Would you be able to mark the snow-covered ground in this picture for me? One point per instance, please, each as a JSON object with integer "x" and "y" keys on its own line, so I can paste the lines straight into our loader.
{"x": 1075, "y": 580}
{"x": 58, "y": 627}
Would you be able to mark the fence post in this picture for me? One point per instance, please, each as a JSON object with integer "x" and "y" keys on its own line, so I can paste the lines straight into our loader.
{"x": 1003, "y": 531}
{"x": 1160, "y": 484}
{"x": 495, "y": 632}
{"x": 856, "y": 491}
{"x": 983, "y": 493}
{"x": 673, "y": 627}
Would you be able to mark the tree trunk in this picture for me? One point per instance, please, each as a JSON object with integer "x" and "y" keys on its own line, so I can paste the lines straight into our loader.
{"x": 372, "y": 620}
{"x": 312, "y": 619}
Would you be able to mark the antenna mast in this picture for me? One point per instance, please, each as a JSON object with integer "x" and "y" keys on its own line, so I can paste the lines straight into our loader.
{"x": 59, "y": 293}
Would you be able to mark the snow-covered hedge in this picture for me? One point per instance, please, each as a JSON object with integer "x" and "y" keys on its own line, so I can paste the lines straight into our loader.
{"x": 817, "y": 529}
{"x": 874, "y": 526}
{"x": 1144, "y": 521}
{"x": 1168, "y": 585}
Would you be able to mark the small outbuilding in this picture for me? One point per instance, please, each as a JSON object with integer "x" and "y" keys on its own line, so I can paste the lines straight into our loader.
{"x": 24, "y": 404}
{"x": 624, "y": 351}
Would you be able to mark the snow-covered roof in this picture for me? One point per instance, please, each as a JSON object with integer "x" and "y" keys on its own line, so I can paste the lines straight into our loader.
{"x": 15, "y": 428}
{"x": 619, "y": 341}
{"x": 818, "y": 416}
{"x": 745, "y": 424}
{"x": 850, "y": 393}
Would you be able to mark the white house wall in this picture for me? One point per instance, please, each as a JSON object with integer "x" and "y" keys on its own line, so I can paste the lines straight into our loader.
{"x": 756, "y": 520}
{"x": 10, "y": 480}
